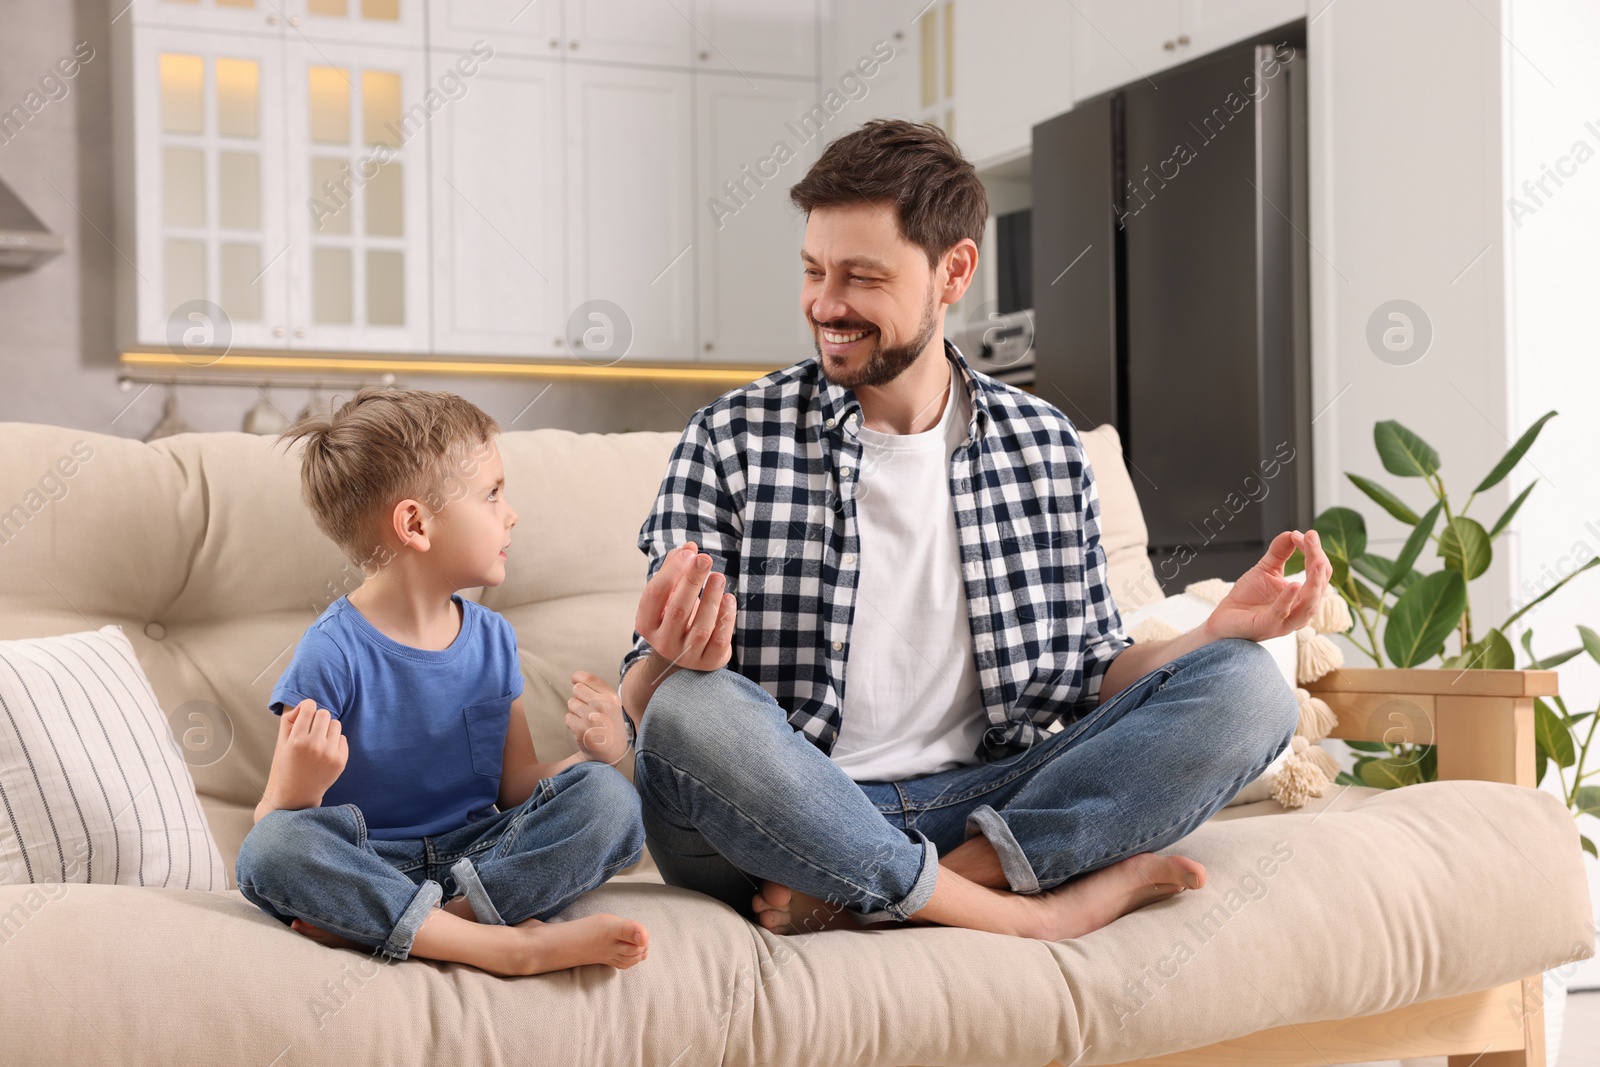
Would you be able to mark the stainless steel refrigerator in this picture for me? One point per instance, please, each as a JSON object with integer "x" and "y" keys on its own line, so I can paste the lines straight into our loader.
{"x": 1170, "y": 293}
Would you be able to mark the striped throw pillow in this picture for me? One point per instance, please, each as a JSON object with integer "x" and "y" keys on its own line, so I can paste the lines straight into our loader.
{"x": 93, "y": 788}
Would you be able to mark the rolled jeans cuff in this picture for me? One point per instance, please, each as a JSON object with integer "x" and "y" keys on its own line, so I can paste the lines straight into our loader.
{"x": 1013, "y": 863}
{"x": 483, "y": 908}
{"x": 398, "y": 947}
{"x": 920, "y": 893}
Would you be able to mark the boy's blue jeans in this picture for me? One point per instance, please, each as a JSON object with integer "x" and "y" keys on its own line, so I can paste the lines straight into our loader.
{"x": 318, "y": 864}
{"x": 734, "y": 795}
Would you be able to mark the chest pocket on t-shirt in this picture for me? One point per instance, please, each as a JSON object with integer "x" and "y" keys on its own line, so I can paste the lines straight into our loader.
{"x": 486, "y": 733}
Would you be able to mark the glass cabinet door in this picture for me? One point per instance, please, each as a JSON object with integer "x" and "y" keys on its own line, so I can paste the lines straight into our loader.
{"x": 357, "y": 130}
{"x": 209, "y": 157}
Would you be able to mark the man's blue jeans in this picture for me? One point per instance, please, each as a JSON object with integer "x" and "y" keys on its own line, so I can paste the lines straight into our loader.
{"x": 318, "y": 864}
{"x": 733, "y": 795}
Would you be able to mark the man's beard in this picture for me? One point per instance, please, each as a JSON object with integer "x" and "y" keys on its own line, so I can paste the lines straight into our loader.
{"x": 883, "y": 365}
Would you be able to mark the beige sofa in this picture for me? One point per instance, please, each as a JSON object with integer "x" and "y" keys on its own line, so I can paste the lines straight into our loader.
{"x": 1425, "y": 907}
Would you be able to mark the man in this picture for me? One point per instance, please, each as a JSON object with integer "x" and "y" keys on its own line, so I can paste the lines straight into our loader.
{"x": 876, "y": 579}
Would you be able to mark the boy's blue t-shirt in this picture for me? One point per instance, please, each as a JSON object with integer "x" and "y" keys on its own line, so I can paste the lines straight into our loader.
{"x": 426, "y": 729}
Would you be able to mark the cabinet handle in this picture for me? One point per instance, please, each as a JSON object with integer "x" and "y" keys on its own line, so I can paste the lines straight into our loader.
{"x": 1183, "y": 38}
{"x": 708, "y": 346}
{"x": 272, "y": 20}
{"x": 704, "y": 56}
{"x": 277, "y": 331}
{"x": 299, "y": 331}
{"x": 555, "y": 43}
{"x": 560, "y": 341}
{"x": 294, "y": 20}
{"x": 1168, "y": 45}
{"x": 573, "y": 46}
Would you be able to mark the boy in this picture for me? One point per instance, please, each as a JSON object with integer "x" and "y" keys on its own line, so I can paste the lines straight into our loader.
{"x": 403, "y": 729}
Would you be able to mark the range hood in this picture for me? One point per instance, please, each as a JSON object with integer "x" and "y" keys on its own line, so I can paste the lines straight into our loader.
{"x": 24, "y": 241}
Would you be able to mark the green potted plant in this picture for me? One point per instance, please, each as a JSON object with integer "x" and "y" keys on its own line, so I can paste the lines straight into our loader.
{"x": 1418, "y": 613}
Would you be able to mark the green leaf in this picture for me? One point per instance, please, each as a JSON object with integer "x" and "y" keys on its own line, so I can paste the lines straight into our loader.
{"x": 1423, "y": 617}
{"x": 1547, "y": 594}
{"x": 1296, "y": 563}
{"x": 1591, "y": 642}
{"x": 1458, "y": 661}
{"x": 1587, "y": 800}
{"x": 1372, "y": 566}
{"x": 1541, "y": 763}
{"x": 1346, "y": 778}
{"x": 1492, "y": 653}
{"x": 1464, "y": 545}
{"x": 1515, "y": 454}
{"x": 1553, "y": 661}
{"x": 1413, "y": 547}
{"x": 1389, "y": 773}
{"x": 1552, "y": 736}
{"x": 1429, "y": 765}
{"x": 1505, "y": 516}
{"x": 1343, "y": 532}
{"x": 1368, "y": 746}
{"x": 1364, "y": 592}
{"x": 1383, "y": 498}
{"x": 1404, "y": 453}
{"x": 1588, "y": 846}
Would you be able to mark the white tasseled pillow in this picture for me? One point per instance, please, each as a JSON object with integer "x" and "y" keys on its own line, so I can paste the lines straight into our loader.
{"x": 93, "y": 788}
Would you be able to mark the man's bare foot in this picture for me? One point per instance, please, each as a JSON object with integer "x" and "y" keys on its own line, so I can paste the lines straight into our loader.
{"x": 460, "y": 906}
{"x": 544, "y": 946}
{"x": 788, "y": 911}
{"x": 323, "y": 937}
{"x": 1096, "y": 899}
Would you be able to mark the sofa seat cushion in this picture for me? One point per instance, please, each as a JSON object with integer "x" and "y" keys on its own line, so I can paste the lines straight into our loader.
{"x": 1386, "y": 898}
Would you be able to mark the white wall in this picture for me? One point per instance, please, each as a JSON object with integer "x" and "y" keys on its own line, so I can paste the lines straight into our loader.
{"x": 1405, "y": 157}
{"x": 1553, "y": 104}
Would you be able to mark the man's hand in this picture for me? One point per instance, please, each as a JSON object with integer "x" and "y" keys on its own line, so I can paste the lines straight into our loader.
{"x": 685, "y": 626}
{"x": 309, "y": 757}
{"x": 1264, "y": 603}
{"x": 594, "y": 715}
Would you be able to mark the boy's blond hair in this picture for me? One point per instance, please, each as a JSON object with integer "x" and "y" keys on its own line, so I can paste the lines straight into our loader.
{"x": 381, "y": 447}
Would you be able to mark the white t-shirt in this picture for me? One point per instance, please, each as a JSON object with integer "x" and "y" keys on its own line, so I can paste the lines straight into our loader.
{"x": 912, "y": 704}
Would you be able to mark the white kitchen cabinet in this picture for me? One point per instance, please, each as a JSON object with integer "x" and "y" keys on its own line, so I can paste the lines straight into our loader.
{"x": 1010, "y": 74}
{"x": 756, "y": 37}
{"x": 499, "y": 213}
{"x": 628, "y": 31}
{"x": 228, "y": 16}
{"x": 208, "y": 189}
{"x": 1122, "y": 41}
{"x": 510, "y": 27}
{"x": 357, "y": 132}
{"x": 749, "y": 232}
{"x": 395, "y": 22}
{"x": 630, "y": 211}
{"x": 354, "y": 21}
{"x": 881, "y": 36}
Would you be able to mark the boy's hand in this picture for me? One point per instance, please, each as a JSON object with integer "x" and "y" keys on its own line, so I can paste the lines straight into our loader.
{"x": 309, "y": 757}
{"x": 594, "y": 715}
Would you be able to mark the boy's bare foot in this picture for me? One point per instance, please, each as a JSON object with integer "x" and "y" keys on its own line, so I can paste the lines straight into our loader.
{"x": 545, "y": 946}
{"x": 788, "y": 911}
{"x": 1097, "y": 899}
{"x": 323, "y": 937}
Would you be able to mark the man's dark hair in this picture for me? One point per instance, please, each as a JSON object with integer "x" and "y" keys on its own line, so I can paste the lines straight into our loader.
{"x": 911, "y": 165}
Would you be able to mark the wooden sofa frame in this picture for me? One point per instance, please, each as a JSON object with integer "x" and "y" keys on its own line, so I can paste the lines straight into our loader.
{"x": 1482, "y": 724}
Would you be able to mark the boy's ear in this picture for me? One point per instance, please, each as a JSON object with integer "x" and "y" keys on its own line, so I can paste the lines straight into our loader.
{"x": 412, "y": 524}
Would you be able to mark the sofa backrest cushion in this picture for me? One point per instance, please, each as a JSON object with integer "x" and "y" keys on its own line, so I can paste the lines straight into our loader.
{"x": 198, "y": 545}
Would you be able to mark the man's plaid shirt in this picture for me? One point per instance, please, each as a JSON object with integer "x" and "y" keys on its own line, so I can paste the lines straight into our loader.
{"x": 765, "y": 479}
